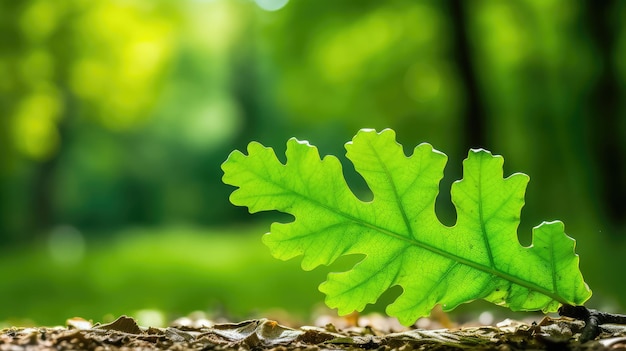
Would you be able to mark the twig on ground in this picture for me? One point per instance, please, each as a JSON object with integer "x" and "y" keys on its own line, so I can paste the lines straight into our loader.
{"x": 593, "y": 320}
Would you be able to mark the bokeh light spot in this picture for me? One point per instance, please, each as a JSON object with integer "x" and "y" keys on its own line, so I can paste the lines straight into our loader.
{"x": 150, "y": 318}
{"x": 423, "y": 82}
{"x": 34, "y": 124}
{"x": 213, "y": 124}
{"x": 66, "y": 245}
{"x": 486, "y": 318}
{"x": 271, "y": 5}
{"x": 39, "y": 20}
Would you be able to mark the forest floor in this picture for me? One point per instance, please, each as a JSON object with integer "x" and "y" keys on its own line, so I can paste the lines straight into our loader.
{"x": 263, "y": 334}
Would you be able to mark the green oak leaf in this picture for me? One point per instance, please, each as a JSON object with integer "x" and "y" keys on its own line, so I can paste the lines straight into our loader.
{"x": 398, "y": 232}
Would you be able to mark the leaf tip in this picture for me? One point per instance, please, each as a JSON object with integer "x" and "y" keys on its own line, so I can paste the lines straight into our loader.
{"x": 368, "y": 130}
{"x": 481, "y": 153}
{"x": 295, "y": 140}
{"x": 365, "y": 132}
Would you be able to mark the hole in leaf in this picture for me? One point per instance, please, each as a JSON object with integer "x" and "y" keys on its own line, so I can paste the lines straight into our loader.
{"x": 268, "y": 217}
{"x": 356, "y": 182}
{"x": 345, "y": 263}
{"x": 387, "y": 298}
{"x": 444, "y": 208}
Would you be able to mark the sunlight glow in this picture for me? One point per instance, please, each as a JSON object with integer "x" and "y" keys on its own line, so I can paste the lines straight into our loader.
{"x": 34, "y": 124}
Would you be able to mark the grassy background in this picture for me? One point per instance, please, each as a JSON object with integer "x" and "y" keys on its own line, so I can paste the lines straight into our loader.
{"x": 222, "y": 271}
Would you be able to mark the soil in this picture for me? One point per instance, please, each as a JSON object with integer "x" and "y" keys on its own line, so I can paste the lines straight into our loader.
{"x": 263, "y": 334}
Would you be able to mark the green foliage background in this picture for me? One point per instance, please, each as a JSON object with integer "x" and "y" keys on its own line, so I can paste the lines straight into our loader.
{"x": 117, "y": 115}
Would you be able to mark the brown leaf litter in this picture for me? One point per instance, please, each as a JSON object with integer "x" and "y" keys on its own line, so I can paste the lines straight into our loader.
{"x": 263, "y": 334}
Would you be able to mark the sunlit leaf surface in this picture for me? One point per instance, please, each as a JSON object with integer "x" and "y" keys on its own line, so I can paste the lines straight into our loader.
{"x": 398, "y": 231}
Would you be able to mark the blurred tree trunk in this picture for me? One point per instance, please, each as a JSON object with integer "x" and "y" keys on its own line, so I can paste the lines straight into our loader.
{"x": 607, "y": 135}
{"x": 245, "y": 87}
{"x": 474, "y": 126}
{"x": 44, "y": 181}
{"x": 472, "y": 129}
{"x": 42, "y": 204}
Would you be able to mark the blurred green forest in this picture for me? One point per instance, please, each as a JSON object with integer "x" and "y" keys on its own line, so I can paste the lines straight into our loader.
{"x": 116, "y": 116}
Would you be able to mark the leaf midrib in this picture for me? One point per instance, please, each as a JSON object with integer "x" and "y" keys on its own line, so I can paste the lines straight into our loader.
{"x": 405, "y": 218}
{"x": 411, "y": 241}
